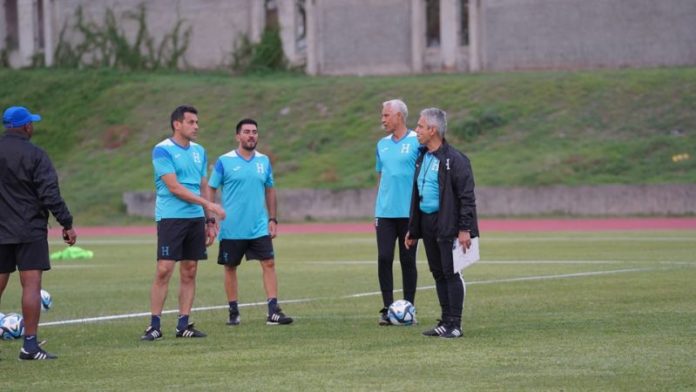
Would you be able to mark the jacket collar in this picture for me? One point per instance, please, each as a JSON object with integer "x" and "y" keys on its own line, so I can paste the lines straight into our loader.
{"x": 18, "y": 134}
{"x": 439, "y": 152}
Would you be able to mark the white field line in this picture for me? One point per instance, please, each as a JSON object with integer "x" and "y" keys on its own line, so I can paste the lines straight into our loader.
{"x": 370, "y": 262}
{"x": 374, "y": 293}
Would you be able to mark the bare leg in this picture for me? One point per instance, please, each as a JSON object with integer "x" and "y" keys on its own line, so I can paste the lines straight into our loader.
{"x": 4, "y": 278}
{"x": 31, "y": 299}
{"x": 231, "y": 286}
{"x": 270, "y": 282}
{"x": 158, "y": 294}
{"x": 187, "y": 288}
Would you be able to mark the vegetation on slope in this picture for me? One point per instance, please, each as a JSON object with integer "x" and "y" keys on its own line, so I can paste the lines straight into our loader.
{"x": 520, "y": 129}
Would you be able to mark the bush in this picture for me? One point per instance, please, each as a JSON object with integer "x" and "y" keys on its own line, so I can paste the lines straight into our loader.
{"x": 265, "y": 56}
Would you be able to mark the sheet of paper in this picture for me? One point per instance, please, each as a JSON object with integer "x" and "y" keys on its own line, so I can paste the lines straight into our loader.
{"x": 462, "y": 259}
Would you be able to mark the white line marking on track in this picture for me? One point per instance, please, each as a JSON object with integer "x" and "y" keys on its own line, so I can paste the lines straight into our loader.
{"x": 371, "y": 262}
{"x": 374, "y": 293}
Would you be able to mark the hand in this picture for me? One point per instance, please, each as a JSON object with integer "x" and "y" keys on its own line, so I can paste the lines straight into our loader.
{"x": 215, "y": 209}
{"x": 211, "y": 231}
{"x": 464, "y": 239}
{"x": 69, "y": 236}
{"x": 408, "y": 241}
{"x": 272, "y": 228}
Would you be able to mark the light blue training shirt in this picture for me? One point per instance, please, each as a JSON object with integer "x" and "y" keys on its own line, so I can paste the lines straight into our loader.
{"x": 189, "y": 164}
{"x": 428, "y": 184}
{"x": 396, "y": 161}
{"x": 243, "y": 184}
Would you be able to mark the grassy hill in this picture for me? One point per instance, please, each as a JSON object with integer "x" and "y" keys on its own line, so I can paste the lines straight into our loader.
{"x": 522, "y": 129}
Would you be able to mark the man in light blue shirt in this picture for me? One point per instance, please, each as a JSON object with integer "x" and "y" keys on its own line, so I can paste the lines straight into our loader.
{"x": 180, "y": 211}
{"x": 395, "y": 164}
{"x": 249, "y": 198}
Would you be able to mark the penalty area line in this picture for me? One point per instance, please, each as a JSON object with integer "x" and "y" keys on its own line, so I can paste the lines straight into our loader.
{"x": 358, "y": 295}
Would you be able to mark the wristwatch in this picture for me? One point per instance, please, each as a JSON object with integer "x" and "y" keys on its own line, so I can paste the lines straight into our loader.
{"x": 210, "y": 220}
{"x": 274, "y": 220}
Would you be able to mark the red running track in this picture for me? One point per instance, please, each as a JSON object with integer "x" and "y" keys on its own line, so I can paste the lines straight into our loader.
{"x": 498, "y": 225}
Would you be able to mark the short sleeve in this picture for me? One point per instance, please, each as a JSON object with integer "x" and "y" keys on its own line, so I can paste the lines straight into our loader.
{"x": 162, "y": 162}
{"x": 217, "y": 175}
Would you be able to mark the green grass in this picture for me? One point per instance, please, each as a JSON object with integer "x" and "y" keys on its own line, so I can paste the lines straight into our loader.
{"x": 532, "y": 320}
{"x": 520, "y": 129}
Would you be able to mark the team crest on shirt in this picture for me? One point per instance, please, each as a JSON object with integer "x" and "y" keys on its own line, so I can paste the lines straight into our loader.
{"x": 197, "y": 157}
{"x": 405, "y": 149}
{"x": 260, "y": 169}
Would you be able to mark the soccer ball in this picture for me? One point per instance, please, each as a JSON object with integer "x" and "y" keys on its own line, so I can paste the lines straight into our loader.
{"x": 46, "y": 300}
{"x": 402, "y": 312}
{"x": 12, "y": 326}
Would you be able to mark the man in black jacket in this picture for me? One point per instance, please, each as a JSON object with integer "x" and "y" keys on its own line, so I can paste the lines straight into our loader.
{"x": 443, "y": 210}
{"x": 28, "y": 191}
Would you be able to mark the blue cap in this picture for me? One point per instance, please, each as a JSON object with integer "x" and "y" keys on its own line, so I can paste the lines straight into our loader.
{"x": 17, "y": 116}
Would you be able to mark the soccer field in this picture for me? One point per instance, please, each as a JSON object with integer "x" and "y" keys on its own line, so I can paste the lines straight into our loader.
{"x": 543, "y": 311}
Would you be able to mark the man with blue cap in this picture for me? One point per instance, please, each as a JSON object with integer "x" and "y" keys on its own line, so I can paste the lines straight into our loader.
{"x": 28, "y": 191}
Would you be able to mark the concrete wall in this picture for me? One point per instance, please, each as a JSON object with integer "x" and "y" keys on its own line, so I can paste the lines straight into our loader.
{"x": 387, "y": 36}
{"x": 215, "y": 24}
{"x": 362, "y": 37}
{"x": 616, "y": 200}
{"x": 523, "y": 34}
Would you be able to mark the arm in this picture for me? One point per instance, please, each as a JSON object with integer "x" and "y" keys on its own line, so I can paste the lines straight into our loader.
{"x": 182, "y": 193}
{"x": 271, "y": 205}
{"x": 46, "y": 184}
{"x": 463, "y": 184}
{"x": 212, "y": 225}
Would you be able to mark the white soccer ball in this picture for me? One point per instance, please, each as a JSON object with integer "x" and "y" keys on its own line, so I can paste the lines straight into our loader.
{"x": 46, "y": 300}
{"x": 402, "y": 312}
{"x": 12, "y": 326}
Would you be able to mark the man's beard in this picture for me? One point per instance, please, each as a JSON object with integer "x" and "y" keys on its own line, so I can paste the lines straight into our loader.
{"x": 249, "y": 147}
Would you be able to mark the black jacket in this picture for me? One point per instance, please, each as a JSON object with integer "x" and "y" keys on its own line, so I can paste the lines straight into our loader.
{"x": 28, "y": 191}
{"x": 457, "y": 200}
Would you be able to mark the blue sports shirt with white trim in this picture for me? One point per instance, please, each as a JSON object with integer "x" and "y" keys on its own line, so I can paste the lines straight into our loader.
{"x": 396, "y": 161}
{"x": 243, "y": 184}
{"x": 189, "y": 165}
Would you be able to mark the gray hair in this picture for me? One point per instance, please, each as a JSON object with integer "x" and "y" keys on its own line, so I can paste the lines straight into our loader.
{"x": 398, "y": 105}
{"x": 435, "y": 117}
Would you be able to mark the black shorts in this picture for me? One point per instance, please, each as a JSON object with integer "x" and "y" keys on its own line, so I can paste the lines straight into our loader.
{"x": 181, "y": 239}
{"x": 231, "y": 251}
{"x": 24, "y": 256}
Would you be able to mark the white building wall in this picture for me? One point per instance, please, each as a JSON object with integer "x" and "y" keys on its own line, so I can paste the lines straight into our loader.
{"x": 388, "y": 36}
{"x": 215, "y": 23}
{"x": 363, "y": 37}
{"x": 524, "y": 34}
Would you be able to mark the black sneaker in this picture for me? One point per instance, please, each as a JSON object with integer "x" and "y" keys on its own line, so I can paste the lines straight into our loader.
{"x": 190, "y": 332}
{"x": 438, "y": 330}
{"x": 37, "y": 355}
{"x": 235, "y": 319}
{"x": 151, "y": 334}
{"x": 452, "y": 332}
{"x": 384, "y": 318}
{"x": 278, "y": 318}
